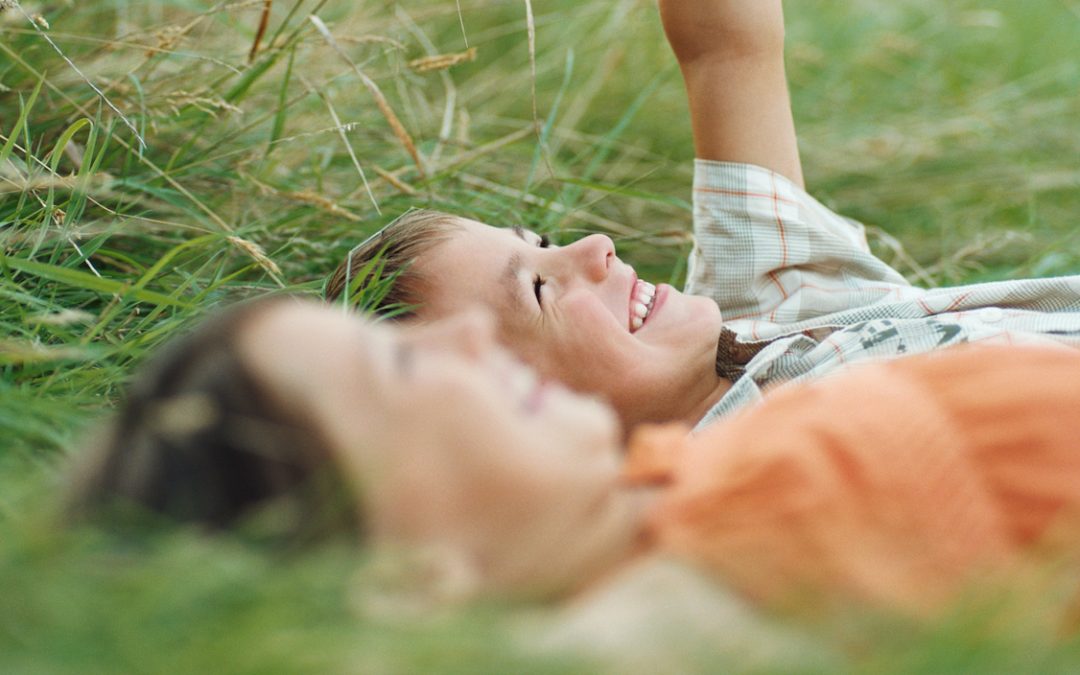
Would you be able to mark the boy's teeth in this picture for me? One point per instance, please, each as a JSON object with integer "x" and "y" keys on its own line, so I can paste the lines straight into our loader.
{"x": 641, "y": 306}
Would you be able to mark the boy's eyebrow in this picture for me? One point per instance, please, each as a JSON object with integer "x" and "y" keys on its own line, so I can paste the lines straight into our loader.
{"x": 510, "y": 276}
{"x": 519, "y": 231}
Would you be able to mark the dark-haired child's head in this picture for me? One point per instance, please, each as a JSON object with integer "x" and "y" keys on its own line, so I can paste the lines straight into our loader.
{"x": 438, "y": 438}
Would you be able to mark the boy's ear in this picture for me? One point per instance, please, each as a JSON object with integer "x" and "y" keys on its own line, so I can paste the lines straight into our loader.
{"x": 412, "y": 583}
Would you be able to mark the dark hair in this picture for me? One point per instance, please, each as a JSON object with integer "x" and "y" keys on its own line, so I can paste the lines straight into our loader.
{"x": 397, "y": 247}
{"x": 200, "y": 440}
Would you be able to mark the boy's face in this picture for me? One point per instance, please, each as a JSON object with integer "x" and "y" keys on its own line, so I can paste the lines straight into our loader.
{"x": 580, "y": 315}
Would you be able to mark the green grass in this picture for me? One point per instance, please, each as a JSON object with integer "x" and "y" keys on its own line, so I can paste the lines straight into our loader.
{"x": 953, "y": 127}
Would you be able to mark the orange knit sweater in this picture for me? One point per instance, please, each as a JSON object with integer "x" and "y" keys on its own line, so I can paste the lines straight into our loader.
{"x": 895, "y": 483}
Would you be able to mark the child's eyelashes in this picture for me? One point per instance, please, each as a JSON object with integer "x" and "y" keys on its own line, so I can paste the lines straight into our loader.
{"x": 538, "y": 283}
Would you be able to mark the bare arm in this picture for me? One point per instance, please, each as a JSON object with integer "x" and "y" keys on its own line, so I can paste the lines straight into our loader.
{"x": 731, "y": 53}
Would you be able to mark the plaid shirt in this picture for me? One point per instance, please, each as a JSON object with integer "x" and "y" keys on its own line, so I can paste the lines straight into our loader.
{"x": 798, "y": 282}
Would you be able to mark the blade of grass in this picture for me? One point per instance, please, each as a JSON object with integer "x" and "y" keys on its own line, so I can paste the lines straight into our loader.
{"x": 87, "y": 80}
{"x": 89, "y": 282}
{"x": 24, "y": 113}
{"x": 549, "y": 123}
{"x": 570, "y": 195}
{"x": 381, "y": 103}
{"x": 65, "y": 138}
{"x": 282, "y": 107}
{"x": 530, "y": 29}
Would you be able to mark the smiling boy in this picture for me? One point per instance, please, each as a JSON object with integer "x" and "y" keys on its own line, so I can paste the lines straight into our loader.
{"x": 779, "y": 288}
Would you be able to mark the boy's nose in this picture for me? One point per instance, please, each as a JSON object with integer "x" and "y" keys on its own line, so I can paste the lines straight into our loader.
{"x": 591, "y": 256}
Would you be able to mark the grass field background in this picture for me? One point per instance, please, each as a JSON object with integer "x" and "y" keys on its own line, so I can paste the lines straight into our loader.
{"x": 193, "y": 176}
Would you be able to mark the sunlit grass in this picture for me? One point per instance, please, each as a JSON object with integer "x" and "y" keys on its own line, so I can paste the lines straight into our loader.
{"x": 953, "y": 127}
